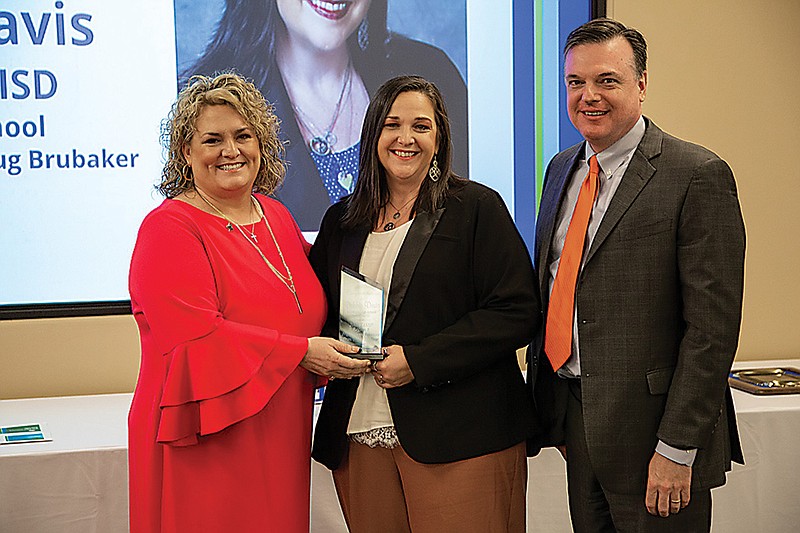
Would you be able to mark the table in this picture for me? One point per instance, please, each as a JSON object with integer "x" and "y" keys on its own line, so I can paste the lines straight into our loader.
{"x": 762, "y": 495}
{"x": 78, "y": 482}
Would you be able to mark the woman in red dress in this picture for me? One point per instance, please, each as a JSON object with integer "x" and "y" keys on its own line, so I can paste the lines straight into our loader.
{"x": 228, "y": 311}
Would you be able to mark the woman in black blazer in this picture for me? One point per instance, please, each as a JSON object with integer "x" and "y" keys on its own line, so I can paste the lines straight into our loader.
{"x": 434, "y": 438}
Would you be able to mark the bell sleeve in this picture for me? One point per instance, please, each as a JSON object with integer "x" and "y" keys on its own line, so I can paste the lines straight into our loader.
{"x": 217, "y": 371}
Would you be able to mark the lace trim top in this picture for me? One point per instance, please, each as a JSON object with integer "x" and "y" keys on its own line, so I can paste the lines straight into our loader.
{"x": 385, "y": 437}
{"x": 371, "y": 408}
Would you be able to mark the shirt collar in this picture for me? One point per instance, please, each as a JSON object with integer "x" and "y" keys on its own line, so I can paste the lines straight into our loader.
{"x": 615, "y": 155}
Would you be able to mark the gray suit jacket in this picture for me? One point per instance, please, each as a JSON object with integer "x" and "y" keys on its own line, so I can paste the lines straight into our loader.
{"x": 659, "y": 306}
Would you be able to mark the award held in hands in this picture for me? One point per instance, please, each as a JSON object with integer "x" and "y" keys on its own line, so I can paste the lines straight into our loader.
{"x": 361, "y": 314}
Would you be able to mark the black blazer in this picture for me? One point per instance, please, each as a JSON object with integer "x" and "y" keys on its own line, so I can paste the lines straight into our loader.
{"x": 462, "y": 300}
{"x": 659, "y": 305}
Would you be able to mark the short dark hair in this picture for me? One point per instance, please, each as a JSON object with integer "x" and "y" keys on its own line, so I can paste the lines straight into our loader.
{"x": 371, "y": 193}
{"x": 601, "y": 30}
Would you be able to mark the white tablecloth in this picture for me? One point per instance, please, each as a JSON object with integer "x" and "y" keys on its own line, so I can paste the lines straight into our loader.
{"x": 78, "y": 482}
{"x": 763, "y": 495}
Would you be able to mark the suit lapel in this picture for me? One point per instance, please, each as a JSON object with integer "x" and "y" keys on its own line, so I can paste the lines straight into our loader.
{"x": 350, "y": 255}
{"x": 558, "y": 178}
{"x": 414, "y": 244}
{"x": 638, "y": 173}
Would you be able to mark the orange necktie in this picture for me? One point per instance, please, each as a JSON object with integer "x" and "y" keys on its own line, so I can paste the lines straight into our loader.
{"x": 558, "y": 331}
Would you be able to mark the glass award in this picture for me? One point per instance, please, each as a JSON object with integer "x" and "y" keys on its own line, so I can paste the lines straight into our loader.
{"x": 361, "y": 314}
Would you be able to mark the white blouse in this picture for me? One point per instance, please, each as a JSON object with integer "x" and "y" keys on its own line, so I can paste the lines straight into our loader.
{"x": 371, "y": 408}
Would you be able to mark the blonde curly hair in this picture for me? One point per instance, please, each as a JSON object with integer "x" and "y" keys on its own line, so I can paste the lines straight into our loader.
{"x": 229, "y": 89}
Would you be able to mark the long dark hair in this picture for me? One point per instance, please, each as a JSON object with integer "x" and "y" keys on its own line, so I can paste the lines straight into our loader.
{"x": 371, "y": 193}
{"x": 246, "y": 34}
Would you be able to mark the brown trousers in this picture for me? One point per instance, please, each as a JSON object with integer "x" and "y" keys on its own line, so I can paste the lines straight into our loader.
{"x": 385, "y": 491}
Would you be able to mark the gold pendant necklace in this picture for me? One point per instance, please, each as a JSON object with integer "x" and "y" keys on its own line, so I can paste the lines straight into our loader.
{"x": 287, "y": 278}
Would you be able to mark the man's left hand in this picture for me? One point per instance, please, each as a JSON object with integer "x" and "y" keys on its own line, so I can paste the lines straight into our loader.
{"x": 668, "y": 486}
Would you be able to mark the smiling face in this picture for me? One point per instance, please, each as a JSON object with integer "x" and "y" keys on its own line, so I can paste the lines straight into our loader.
{"x": 408, "y": 139}
{"x": 604, "y": 93}
{"x": 224, "y": 153}
{"x": 324, "y": 25}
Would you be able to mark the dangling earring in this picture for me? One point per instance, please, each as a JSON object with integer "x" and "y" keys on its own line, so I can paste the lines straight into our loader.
{"x": 363, "y": 34}
{"x": 434, "y": 173}
{"x": 186, "y": 175}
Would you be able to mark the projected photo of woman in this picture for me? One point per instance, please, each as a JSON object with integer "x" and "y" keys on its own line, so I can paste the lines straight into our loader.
{"x": 318, "y": 62}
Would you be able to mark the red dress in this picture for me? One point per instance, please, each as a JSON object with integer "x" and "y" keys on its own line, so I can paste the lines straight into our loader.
{"x": 220, "y": 424}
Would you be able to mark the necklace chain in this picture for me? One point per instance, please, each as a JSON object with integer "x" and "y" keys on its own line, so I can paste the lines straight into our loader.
{"x": 321, "y": 143}
{"x": 252, "y": 231}
{"x": 287, "y": 278}
{"x": 390, "y": 225}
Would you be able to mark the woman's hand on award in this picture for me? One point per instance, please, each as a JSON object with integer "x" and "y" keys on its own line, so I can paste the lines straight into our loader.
{"x": 329, "y": 357}
{"x": 393, "y": 370}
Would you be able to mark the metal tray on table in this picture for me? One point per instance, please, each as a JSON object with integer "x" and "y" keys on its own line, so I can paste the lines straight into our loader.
{"x": 762, "y": 381}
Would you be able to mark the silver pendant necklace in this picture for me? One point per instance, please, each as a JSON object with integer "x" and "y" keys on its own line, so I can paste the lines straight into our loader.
{"x": 321, "y": 143}
{"x": 390, "y": 225}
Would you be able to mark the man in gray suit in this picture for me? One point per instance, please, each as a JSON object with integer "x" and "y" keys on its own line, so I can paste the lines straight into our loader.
{"x": 631, "y": 384}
